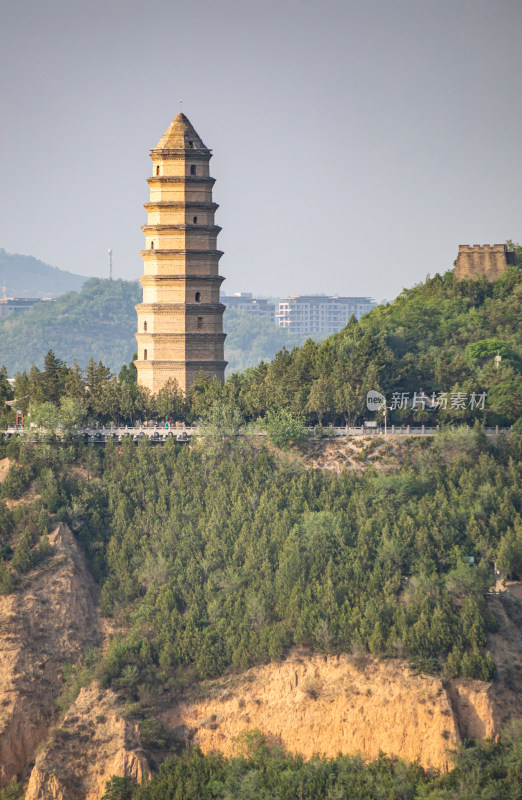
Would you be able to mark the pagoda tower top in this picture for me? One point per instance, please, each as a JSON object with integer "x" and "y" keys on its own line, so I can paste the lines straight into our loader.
{"x": 180, "y": 135}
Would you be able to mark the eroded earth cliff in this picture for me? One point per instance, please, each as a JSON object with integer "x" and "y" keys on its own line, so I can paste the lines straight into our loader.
{"x": 307, "y": 703}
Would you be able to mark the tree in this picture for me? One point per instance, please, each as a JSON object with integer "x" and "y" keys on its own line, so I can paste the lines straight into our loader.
{"x": 118, "y": 789}
{"x": 23, "y": 554}
{"x": 44, "y": 414}
{"x": 283, "y": 428}
{"x": 53, "y": 377}
{"x": 96, "y": 377}
{"x": 72, "y": 413}
{"x": 6, "y": 578}
{"x": 321, "y": 398}
{"x": 74, "y": 383}
{"x": 169, "y": 403}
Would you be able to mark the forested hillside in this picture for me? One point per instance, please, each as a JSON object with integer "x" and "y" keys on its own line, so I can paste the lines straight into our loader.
{"x": 229, "y": 552}
{"x": 224, "y": 554}
{"x": 458, "y": 343}
{"x": 99, "y": 322}
{"x": 439, "y": 338}
{"x": 25, "y": 276}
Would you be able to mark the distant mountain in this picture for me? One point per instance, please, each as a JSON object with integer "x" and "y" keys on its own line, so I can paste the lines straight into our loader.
{"x": 100, "y": 322}
{"x": 25, "y": 276}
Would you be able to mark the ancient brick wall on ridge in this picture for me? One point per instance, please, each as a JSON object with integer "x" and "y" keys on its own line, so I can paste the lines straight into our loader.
{"x": 474, "y": 261}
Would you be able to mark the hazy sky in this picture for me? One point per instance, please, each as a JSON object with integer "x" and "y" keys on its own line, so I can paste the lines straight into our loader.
{"x": 356, "y": 142}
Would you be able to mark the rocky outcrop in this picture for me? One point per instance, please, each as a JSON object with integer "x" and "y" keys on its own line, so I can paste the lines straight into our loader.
{"x": 92, "y": 743}
{"x": 49, "y": 621}
{"x": 338, "y": 704}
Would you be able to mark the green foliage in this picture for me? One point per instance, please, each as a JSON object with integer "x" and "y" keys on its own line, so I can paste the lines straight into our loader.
{"x": 97, "y": 322}
{"x": 45, "y": 548}
{"x": 484, "y": 770}
{"x": 118, "y": 789}
{"x": 6, "y": 578}
{"x": 17, "y": 480}
{"x": 283, "y": 428}
{"x": 23, "y": 559}
{"x": 153, "y": 733}
{"x": 6, "y": 520}
{"x": 251, "y": 340}
{"x": 509, "y": 555}
{"x": 12, "y": 792}
{"x": 76, "y": 676}
{"x": 218, "y": 555}
{"x": 440, "y": 336}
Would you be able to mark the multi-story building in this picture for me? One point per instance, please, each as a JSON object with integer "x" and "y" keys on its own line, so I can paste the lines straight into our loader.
{"x": 180, "y": 321}
{"x": 309, "y": 314}
{"x": 19, "y": 304}
{"x": 255, "y": 306}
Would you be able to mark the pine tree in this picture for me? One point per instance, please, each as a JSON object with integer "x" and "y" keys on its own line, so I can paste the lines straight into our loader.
{"x": 6, "y": 579}
{"x": 23, "y": 556}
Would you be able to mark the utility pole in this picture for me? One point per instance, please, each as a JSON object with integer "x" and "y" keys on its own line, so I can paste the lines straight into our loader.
{"x": 110, "y": 263}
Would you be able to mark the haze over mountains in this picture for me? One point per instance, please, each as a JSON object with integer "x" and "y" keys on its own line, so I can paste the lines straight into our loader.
{"x": 26, "y": 276}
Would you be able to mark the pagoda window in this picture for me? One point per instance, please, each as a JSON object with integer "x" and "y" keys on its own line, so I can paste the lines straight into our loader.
{"x": 157, "y": 171}
{"x": 152, "y": 245}
{"x": 192, "y": 169}
{"x": 144, "y": 355}
{"x": 195, "y": 220}
{"x": 200, "y": 322}
{"x": 145, "y": 327}
{"x": 198, "y": 297}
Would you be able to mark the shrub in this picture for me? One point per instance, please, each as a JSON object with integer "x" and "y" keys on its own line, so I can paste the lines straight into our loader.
{"x": 23, "y": 554}
{"x": 17, "y": 480}
{"x": 283, "y": 428}
{"x": 6, "y": 579}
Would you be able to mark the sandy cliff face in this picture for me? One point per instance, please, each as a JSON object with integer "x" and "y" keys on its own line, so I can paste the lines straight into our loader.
{"x": 331, "y": 705}
{"x": 92, "y": 743}
{"x": 326, "y": 705}
{"x": 47, "y": 622}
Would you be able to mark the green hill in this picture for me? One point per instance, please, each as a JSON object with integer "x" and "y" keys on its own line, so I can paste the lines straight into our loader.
{"x": 25, "y": 276}
{"x": 440, "y": 337}
{"x": 100, "y": 322}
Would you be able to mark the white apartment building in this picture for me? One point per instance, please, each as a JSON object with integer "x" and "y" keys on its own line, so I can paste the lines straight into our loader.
{"x": 256, "y": 306}
{"x": 309, "y": 314}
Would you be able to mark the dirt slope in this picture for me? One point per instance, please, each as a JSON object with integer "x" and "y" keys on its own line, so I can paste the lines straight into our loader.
{"x": 92, "y": 743}
{"x": 47, "y": 622}
{"x": 326, "y": 705}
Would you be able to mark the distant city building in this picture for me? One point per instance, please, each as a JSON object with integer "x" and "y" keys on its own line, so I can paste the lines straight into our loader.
{"x": 256, "y": 306}
{"x": 474, "y": 261}
{"x": 19, "y": 304}
{"x": 309, "y": 314}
